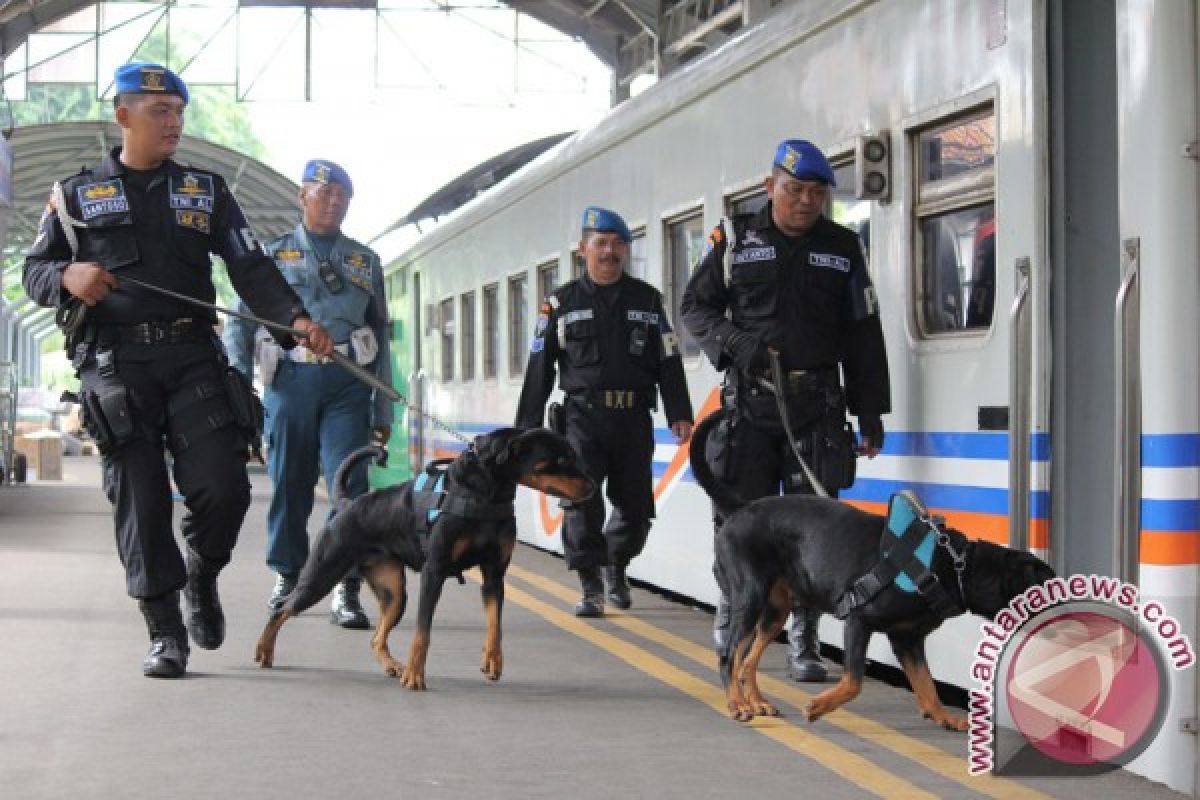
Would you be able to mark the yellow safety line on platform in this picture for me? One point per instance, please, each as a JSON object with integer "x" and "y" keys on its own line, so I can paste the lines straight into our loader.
{"x": 848, "y": 765}
{"x": 927, "y": 755}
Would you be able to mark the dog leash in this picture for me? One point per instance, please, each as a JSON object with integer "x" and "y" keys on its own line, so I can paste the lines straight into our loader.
{"x": 781, "y": 403}
{"x": 71, "y": 315}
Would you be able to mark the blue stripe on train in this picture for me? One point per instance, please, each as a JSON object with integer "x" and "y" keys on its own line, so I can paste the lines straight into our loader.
{"x": 1171, "y": 450}
{"x": 1171, "y": 515}
{"x": 936, "y": 444}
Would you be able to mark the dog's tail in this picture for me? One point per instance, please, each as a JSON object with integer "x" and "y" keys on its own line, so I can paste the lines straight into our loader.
{"x": 726, "y": 499}
{"x": 342, "y": 476}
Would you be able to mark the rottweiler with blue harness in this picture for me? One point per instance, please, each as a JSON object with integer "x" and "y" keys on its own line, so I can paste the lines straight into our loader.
{"x": 456, "y": 515}
{"x": 902, "y": 575}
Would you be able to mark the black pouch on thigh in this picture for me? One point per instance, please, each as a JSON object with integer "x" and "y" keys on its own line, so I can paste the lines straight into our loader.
{"x": 719, "y": 448}
{"x": 833, "y": 453}
{"x": 195, "y": 411}
{"x": 245, "y": 405}
{"x": 108, "y": 417}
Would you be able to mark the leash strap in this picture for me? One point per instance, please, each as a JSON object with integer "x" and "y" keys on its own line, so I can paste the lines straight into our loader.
{"x": 781, "y": 403}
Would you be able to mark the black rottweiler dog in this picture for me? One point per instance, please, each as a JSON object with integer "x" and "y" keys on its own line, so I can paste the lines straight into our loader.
{"x": 474, "y": 526}
{"x": 814, "y": 549}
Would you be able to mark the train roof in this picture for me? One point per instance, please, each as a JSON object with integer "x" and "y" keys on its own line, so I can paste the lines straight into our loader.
{"x": 745, "y": 51}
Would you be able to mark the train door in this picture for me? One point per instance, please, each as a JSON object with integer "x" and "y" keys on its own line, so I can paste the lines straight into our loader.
{"x": 1086, "y": 460}
{"x": 417, "y": 389}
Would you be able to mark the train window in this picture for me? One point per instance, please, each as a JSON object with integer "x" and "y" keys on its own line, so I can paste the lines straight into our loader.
{"x": 846, "y": 209}
{"x": 685, "y": 244}
{"x": 748, "y": 202}
{"x": 467, "y": 317}
{"x": 446, "y": 323}
{"x": 637, "y": 255}
{"x": 518, "y": 335}
{"x": 956, "y": 230}
{"x": 547, "y": 275}
{"x": 491, "y": 329}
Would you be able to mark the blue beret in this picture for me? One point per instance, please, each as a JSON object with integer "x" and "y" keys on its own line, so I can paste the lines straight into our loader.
{"x": 140, "y": 78}
{"x": 321, "y": 171}
{"x": 605, "y": 221}
{"x": 803, "y": 160}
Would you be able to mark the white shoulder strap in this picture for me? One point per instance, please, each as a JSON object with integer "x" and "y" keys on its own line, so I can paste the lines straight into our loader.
{"x": 64, "y": 217}
{"x": 730, "y": 244}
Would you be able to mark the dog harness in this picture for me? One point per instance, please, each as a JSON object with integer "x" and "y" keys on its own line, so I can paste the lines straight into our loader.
{"x": 431, "y": 498}
{"x": 906, "y": 555}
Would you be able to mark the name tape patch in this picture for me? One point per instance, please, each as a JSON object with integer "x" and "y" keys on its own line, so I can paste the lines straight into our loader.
{"x": 754, "y": 254}
{"x": 105, "y": 197}
{"x": 829, "y": 261}
{"x": 649, "y": 317}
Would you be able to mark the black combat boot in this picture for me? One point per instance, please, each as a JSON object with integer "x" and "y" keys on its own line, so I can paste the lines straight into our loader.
{"x": 284, "y": 584}
{"x": 169, "y": 646}
{"x": 592, "y": 602}
{"x": 347, "y": 611}
{"x": 804, "y": 652}
{"x": 205, "y": 619}
{"x": 721, "y": 624}
{"x": 618, "y": 587}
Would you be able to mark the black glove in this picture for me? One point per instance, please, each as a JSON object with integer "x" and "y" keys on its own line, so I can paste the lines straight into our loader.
{"x": 871, "y": 428}
{"x": 747, "y": 351}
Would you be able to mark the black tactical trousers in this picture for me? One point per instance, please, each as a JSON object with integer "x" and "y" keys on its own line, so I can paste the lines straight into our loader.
{"x": 616, "y": 446}
{"x": 176, "y": 401}
{"x": 760, "y": 463}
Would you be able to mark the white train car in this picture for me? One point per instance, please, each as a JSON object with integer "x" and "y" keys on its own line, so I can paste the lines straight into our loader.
{"x": 1035, "y": 255}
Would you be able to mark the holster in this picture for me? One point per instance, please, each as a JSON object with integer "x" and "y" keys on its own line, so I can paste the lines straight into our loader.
{"x": 833, "y": 453}
{"x": 556, "y": 418}
{"x": 107, "y": 417}
{"x": 247, "y": 409}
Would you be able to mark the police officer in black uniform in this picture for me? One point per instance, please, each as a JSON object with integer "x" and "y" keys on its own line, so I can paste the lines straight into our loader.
{"x": 789, "y": 281}
{"x": 611, "y": 338}
{"x": 153, "y": 374}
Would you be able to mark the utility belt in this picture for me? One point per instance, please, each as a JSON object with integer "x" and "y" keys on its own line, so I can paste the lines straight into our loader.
{"x": 817, "y": 411}
{"x": 799, "y": 382}
{"x": 363, "y": 347}
{"x": 151, "y": 332}
{"x": 616, "y": 399}
{"x": 302, "y": 355}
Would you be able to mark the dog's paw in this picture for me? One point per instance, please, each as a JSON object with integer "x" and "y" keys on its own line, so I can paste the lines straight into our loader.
{"x": 412, "y": 679}
{"x": 392, "y": 668}
{"x": 951, "y": 722}
{"x": 763, "y": 708}
{"x": 264, "y": 657}
{"x": 492, "y": 666}
{"x": 819, "y": 706}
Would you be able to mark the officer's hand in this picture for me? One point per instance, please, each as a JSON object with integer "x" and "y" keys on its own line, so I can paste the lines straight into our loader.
{"x": 682, "y": 430}
{"x": 88, "y": 281}
{"x": 870, "y": 432}
{"x": 381, "y": 434}
{"x": 316, "y": 338}
{"x": 746, "y": 351}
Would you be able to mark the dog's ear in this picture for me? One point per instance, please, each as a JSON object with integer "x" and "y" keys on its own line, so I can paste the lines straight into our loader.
{"x": 512, "y": 449}
{"x": 497, "y": 446}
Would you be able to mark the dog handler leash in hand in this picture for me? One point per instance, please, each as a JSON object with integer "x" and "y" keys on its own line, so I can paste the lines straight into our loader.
{"x": 781, "y": 402}
{"x": 342, "y": 360}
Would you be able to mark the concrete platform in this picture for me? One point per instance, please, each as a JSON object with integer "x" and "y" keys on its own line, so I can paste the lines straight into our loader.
{"x": 624, "y": 707}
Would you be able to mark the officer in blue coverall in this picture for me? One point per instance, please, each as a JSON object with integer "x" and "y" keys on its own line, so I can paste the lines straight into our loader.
{"x": 317, "y": 411}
